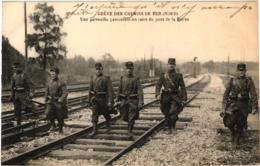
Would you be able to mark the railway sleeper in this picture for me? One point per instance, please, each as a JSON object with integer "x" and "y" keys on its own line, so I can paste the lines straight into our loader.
{"x": 122, "y": 132}
{"x": 104, "y": 148}
{"x": 29, "y": 132}
{"x": 113, "y": 137}
{"x": 80, "y": 155}
{"x": 103, "y": 142}
{"x": 125, "y": 127}
{"x": 7, "y": 125}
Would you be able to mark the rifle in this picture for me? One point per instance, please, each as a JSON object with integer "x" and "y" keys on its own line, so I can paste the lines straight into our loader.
{"x": 41, "y": 104}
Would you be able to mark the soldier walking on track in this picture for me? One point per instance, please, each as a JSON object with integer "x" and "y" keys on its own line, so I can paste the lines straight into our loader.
{"x": 22, "y": 91}
{"x": 239, "y": 98}
{"x": 56, "y": 100}
{"x": 100, "y": 97}
{"x": 130, "y": 97}
{"x": 173, "y": 95}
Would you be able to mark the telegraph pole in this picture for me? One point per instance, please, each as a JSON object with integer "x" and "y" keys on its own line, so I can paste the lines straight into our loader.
{"x": 228, "y": 67}
{"x": 25, "y": 35}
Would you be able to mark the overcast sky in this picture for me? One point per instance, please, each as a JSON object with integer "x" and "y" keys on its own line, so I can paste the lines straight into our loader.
{"x": 209, "y": 34}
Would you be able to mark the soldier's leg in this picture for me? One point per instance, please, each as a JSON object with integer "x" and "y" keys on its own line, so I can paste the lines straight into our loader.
{"x": 59, "y": 115}
{"x": 17, "y": 111}
{"x": 174, "y": 112}
{"x": 229, "y": 121}
{"x": 241, "y": 122}
{"x": 94, "y": 120}
{"x": 108, "y": 118}
{"x": 165, "y": 108}
{"x": 60, "y": 123}
{"x": 133, "y": 115}
{"x": 50, "y": 116}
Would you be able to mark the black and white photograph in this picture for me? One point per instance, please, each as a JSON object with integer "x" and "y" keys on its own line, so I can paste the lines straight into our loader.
{"x": 130, "y": 83}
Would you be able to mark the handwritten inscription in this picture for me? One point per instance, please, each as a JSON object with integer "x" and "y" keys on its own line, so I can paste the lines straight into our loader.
{"x": 126, "y": 11}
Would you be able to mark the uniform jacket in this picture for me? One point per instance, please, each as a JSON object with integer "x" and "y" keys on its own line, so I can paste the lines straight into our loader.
{"x": 172, "y": 82}
{"x": 131, "y": 87}
{"x": 21, "y": 81}
{"x": 241, "y": 90}
{"x": 58, "y": 89}
{"x": 101, "y": 85}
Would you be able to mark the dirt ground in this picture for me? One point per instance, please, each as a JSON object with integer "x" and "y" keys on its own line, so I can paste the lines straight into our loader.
{"x": 200, "y": 143}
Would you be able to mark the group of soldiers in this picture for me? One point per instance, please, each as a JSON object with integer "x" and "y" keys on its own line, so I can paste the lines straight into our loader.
{"x": 240, "y": 96}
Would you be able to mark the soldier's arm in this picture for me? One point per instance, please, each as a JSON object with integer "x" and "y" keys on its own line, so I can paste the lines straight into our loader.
{"x": 46, "y": 93}
{"x": 12, "y": 87}
{"x": 183, "y": 88}
{"x": 226, "y": 93}
{"x": 64, "y": 92}
{"x": 91, "y": 88}
{"x": 30, "y": 84}
{"x": 159, "y": 85}
{"x": 140, "y": 92}
{"x": 119, "y": 88}
{"x": 110, "y": 90}
{"x": 253, "y": 94}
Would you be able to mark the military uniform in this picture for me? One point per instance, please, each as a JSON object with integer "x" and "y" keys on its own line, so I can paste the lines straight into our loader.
{"x": 130, "y": 96}
{"x": 239, "y": 98}
{"x": 56, "y": 101}
{"x": 100, "y": 97}
{"x": 21, "y": 92}
{"x": 173, "y": 95}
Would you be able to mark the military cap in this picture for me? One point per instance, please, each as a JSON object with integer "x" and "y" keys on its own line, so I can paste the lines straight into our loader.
{"x": 55, "y": 69}
{"x": 241, "y": 67}
{"x": 129, "y": 65}
{"x": 98, "y": 65}
{"x": 172, "y": 61}
{"x": 16, "y": 64}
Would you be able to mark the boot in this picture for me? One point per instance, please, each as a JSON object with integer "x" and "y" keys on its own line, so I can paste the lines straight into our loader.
{"x": 170, "y": 127}
{"x": 94, "y": 132}
{"x": 18, "y": 122}
{"x": 53, "y": 125}
{"x": 61, "y": 126}
{"x": 236, "y": 139}
{"x": 108, "y": 126}
{"x": 173, "y": 126}
{"x": 232, "y": 136}
{"x": 130, "y": 130}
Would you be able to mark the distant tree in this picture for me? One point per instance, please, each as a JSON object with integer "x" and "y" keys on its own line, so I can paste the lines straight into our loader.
{"x": 91, "y": 62}
{"x": 210, "y": 66}
{"x": 46, "y": 40}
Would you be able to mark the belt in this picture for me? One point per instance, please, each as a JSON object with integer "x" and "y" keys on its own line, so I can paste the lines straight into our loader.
{"x": 170, "y": 91}
{"x": 19, "y": 89}
{"x": 98, "y": 93}
{"x": 131, "y": 96}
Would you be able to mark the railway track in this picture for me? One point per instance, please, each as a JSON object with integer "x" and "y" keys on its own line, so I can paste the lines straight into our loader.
{"x": 107, "y": 146}
{"x": 71, "y": 88}
{"x": 12, "y": 134}
{"x": 8, "y": 116}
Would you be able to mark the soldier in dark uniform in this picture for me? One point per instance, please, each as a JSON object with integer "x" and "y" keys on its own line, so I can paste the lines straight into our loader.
{"x": 56, "y": 100}
{"x": 22, "y": 91}
{"x": 239, "y": 98}
{"x": 130, "y": 97}
{"x": 100, "y": 97}
{"x": 173, "y": 95}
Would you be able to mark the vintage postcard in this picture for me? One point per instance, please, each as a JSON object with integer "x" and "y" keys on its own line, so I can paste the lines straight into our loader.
{"x": 130, "y": 83}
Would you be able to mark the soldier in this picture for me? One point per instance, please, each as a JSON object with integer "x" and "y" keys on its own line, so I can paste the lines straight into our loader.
{"x": 22, "y": 91}
{"x": 100, "y": 97}
{"x": 239, "y": 98}
{"x": 173, "y": 95}
{"x": 130, "y": 97}
{"x": 56, "y": 100}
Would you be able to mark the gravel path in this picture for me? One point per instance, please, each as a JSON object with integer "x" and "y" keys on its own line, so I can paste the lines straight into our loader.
{"x": 199, "y": 143}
